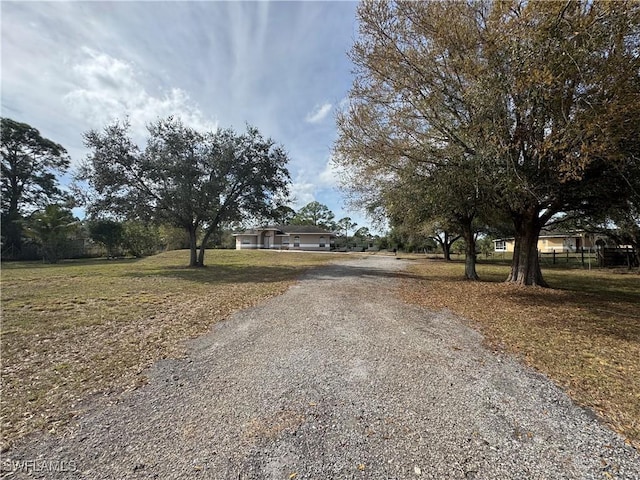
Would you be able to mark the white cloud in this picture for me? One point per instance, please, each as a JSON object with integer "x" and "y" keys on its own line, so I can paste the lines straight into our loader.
{"x": 329, "y": 177}
{"x": 318, "y": 113}
{"x": 105, "y": 88}
{"x": 302, "y": 192}
{"x": 265, "y": 63}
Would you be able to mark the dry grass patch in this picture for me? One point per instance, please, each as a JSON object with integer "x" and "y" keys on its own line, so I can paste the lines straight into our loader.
{"x": 584, "y": 333}
{"x": 90, "y": 327}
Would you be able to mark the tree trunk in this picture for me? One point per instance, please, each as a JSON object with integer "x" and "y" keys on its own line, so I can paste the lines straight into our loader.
{"x": 12, "y": 223}
{"x": 470, "y": 253}
{"x": 12, "y": 230}
{"x": 193, "y": 259}
{"x": 202, "y": 249}
{"x": 446, "y": 249}
{"x": 635, "y": 244}
{"x": 445, "y": 244}
{"x": 525, "y": 266}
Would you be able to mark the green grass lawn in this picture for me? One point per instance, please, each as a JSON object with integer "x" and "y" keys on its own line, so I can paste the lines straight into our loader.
{"x": 90, "y": 327}
{"x": 584, "y": 332}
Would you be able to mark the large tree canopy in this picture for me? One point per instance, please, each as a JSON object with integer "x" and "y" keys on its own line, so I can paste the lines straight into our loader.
{"x": 194, "y": 180}
{"x": 30, "y": 163}
{"x": 541, "y": 98}
{"x": 444, "y": 203}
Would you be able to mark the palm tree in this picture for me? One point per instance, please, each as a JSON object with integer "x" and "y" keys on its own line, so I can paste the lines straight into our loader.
{"x": 51, "y": 228}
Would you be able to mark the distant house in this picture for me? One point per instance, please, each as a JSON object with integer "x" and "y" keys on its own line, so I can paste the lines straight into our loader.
{"x": 285, "y": 237}
{"x": 550, "y": 241}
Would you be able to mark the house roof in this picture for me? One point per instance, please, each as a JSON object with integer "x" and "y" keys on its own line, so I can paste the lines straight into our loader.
{"x": 288, "y": 229}
{"x": 304, "y": 229}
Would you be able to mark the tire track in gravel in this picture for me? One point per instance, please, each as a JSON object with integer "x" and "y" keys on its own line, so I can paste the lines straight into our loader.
{"x": 337, "y": 378}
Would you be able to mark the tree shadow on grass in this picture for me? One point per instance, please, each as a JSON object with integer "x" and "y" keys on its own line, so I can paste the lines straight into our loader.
{"x": 598, "y": 316}
{"x": 586, "y": 305}
{"x": 226, "y": 274}
{"x": 69, "y": 263}
{"x": 609, "y": 313}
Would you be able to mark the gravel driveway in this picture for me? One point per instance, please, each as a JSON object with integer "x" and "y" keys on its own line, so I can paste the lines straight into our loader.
{"x": 337, "y": 378}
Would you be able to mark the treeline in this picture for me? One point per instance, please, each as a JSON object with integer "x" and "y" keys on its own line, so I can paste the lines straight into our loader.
{"x": 187, "y": 189}
{"x": 37, "y": 218}
{"x": 53, "y": 234}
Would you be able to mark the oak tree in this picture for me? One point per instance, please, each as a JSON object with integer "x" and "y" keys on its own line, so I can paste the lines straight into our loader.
{"x": 197, "y": 181}
{"x": 541, "y": 97}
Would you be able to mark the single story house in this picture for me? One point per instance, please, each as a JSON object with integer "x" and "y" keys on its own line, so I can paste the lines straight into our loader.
{"x": 286, "y": 237}
{"x": 550, "y": 241}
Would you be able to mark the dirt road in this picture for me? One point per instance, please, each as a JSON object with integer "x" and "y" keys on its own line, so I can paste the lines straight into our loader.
{"x": 337, "y": 378}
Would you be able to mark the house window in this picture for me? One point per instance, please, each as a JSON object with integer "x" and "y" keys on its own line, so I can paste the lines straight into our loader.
{"x": 246, "y": 241}
{"x": 322, "y": 243}
{"x": 501, "y": 246}
{"x": 296, "y": 241}
{"x": 285, "y": 240}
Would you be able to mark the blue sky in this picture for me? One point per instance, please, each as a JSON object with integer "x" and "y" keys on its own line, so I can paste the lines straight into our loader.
{"x": 281, "y": 66}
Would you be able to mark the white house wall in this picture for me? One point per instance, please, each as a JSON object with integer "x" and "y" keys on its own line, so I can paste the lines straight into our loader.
{"x": 308, "y": 242}
{"x": 548, "y": 244}
{"x": 250, "y": 242}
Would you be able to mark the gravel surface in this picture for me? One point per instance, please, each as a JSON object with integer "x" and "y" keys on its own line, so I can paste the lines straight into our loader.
{"x": 337, "y": 378}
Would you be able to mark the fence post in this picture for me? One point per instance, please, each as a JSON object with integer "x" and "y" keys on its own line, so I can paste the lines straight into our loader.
{"x": 582, "y": 255}
{"x": 554, "y": 256}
